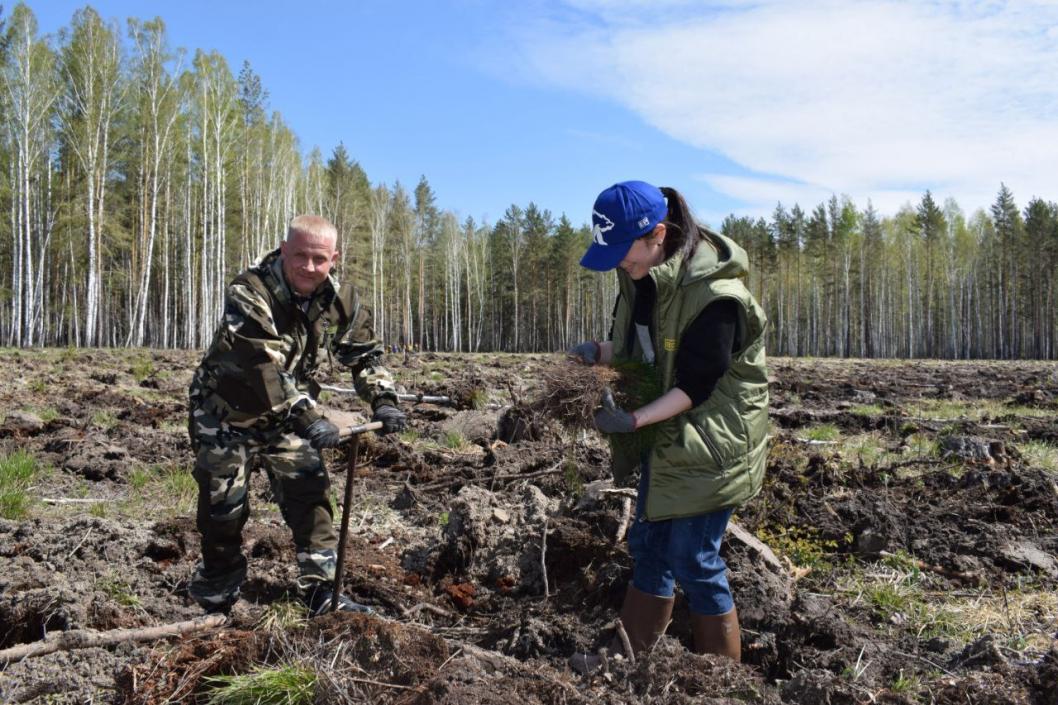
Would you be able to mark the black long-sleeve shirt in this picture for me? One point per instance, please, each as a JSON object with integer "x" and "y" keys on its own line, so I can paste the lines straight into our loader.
{"x": 705, "y": 349}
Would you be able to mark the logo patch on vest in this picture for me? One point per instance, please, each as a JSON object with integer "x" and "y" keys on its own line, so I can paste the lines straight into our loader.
{"x": 670, "y": 344}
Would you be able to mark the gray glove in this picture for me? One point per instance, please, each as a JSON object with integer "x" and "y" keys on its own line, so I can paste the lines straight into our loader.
{"x": 392, "y": 418}
{"x": 321, "y": 434}
{"x": 587, "y": 352}
{"x": 610, "y": 419}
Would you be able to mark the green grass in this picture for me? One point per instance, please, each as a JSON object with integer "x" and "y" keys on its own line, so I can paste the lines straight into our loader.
{"x": 119, "y": 591}
{"x": 139, "y": 478}
{"x": 803, "y": 547}
{"x": 572, "y": 479}
{"x": 823, "y": 432}
{"x": 454, "y": 440}
{"x": 104, "y": 419}
{"x": 479, "y": 398}
{"x": 973, "y": 410}
{"x": 923, "y": 445}
{"x": 47, "y": 414}
{"x": 1039, "y": 454}
{"x": 905, "y": 684}
{"x": 289, "y": 684}
{"x": 17, "y": 472}
{"x": 142, "y": 368}
{"x": 178, "y": 484}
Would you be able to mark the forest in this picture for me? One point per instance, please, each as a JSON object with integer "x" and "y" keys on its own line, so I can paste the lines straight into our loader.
{"x": 138, "y": 178}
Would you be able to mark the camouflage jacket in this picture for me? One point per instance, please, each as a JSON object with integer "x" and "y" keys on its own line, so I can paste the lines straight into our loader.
{"x": 260, "y": 369}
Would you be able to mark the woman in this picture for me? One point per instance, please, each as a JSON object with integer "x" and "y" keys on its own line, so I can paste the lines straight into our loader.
{"x": 684, "y": 309}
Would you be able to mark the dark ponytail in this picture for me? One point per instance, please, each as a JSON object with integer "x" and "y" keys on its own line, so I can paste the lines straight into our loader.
{"x": 682, "y": 232}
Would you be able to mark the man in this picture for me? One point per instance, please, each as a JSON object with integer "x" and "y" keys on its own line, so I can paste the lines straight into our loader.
{"x": 253, "y": 398}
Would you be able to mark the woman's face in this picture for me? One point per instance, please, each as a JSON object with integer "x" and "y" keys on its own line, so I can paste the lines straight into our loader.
{"x": 646, "y": 252}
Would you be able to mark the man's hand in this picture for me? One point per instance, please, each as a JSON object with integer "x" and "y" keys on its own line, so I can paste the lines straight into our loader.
{"x": 610, "y": 419}
{"x": 321, "y": 434}
{"x": 588, "y": 352}
{"x": 392, "y": 418}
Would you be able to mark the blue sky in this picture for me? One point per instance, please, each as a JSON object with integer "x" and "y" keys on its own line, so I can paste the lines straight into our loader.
{"x": 737, "y": 103}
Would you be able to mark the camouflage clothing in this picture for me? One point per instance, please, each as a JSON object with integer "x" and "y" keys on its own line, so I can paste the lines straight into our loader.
{"x": 251, "y": 397}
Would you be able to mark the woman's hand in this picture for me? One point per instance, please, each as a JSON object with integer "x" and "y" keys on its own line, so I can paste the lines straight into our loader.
{"x": 588, "y": 352}
{"x": 611, "y": 419}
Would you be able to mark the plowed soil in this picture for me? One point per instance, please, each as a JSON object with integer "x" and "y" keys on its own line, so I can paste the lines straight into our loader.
{"x": 908, "y": 521}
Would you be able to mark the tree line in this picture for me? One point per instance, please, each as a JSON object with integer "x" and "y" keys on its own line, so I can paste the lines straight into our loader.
{"x": 138, "y": 178}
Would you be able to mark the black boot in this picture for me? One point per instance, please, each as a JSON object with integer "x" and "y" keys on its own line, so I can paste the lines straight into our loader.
{"x": 318, "y": 599}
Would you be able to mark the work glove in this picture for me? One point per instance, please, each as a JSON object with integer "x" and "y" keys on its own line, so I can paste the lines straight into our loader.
{"x": 392, "y": 418}
{"x": 321, "y": 434}
{"x": 610, "y": 419}
{"x": 587, "y": 352}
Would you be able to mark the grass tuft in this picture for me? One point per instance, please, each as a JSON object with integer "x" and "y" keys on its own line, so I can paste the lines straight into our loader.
{"x": 823, "y": 432}
{"x": 142, "y": 369}
{"x": 179, "y": 484}
{"x": 454, "y": 440}
{"x": 283, "y": 615}
{"x": 289, "y": 684}
{"x": 1039, "y": 454}
{"x": 17, "y": 471}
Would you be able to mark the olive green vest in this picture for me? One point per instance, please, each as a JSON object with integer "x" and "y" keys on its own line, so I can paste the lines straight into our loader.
{"x": 713, "y": 455}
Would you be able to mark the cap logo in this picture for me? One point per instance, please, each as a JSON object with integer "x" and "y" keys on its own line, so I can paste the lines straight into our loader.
{"x": 599, "y": 228}
{"x": 643, "y": 222}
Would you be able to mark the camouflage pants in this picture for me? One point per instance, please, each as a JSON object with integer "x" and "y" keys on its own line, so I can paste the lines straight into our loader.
{"x": 225, "y": 457}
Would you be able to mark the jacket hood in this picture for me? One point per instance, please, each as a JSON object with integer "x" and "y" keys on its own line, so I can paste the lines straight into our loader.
{"x": 722, "y": 259}
{"x": 719, "y": 257}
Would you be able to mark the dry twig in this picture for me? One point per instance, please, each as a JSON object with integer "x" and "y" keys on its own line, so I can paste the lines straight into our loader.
{"x": 85, "y": 638}
{"x": 626, "y": 644}
{"x": 543, "y": 559}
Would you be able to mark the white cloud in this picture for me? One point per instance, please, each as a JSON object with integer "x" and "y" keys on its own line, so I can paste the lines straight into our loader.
{"x": 873, "y": 98}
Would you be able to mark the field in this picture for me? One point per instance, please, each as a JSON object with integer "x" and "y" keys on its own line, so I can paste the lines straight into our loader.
{"x": 908, "y": 521}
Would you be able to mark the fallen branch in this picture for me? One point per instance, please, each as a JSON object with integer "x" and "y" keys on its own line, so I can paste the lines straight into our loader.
{"x": 543, "y": 559}
{"x": 80, "y": 543}
{"x": 620, "y": 491}
{"x": 86, "y": 638}
{"x": 368, "y": 681}
{"x": 744, "y": 537}
{"x": 428, "y": 607}
{"x": 71, "y": 500}
{"x": 626, "y": 644}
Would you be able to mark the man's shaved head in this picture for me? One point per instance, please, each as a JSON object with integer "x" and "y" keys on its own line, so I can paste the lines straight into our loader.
{"x": 313, "y": 226}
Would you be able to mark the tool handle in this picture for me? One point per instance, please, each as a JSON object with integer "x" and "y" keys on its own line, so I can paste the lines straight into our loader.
{"x": 424, "y": 398}
{"x": 351, "y": 431}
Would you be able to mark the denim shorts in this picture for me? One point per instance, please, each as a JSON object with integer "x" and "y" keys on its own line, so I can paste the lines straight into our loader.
{"x": 684, "y": 551}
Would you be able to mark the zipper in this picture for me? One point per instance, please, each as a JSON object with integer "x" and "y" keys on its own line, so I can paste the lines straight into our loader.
{"x": 709, "y": 445}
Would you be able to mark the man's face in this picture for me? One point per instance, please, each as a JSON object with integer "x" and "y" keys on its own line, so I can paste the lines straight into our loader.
{"x": 307, "y": 260}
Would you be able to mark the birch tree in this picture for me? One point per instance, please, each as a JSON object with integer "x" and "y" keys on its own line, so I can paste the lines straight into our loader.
{"x": 30, "y": 90}
{"x": 91, "y": 63}
{"x": 159, "y": 104}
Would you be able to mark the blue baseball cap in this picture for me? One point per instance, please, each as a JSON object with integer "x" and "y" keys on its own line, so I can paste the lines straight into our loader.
{"x": 622, "y": 214}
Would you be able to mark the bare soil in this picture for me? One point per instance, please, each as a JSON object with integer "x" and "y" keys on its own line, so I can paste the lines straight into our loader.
{"x": 917, "y": 543}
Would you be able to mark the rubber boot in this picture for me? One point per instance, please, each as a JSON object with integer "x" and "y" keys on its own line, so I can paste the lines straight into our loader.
{"x": 717, "y": 634}
{"x": 644, "y": 617}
